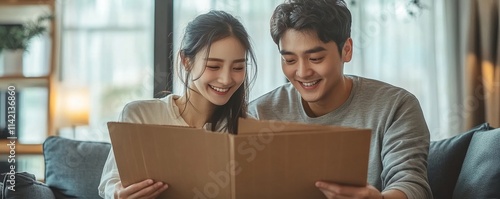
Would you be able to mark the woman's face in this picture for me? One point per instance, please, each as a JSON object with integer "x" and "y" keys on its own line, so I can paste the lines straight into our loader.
{"x": 218, "y": 75}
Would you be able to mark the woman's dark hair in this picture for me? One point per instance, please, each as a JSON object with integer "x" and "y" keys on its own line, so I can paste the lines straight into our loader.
{"x": 199, "y": 34}
{"x": 329, "y": 18}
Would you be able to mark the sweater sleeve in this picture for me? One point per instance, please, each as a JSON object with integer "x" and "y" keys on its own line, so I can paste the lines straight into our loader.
{"x": 405, "y": 147}
{"x": 110, "y": 177}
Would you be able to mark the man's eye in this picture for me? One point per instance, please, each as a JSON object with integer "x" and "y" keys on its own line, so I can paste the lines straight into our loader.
{"x": 289, "y": 61}
{"x": 316, "y": 59}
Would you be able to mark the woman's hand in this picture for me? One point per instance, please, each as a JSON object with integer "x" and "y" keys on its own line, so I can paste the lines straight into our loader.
{"x": 332, "y": 190}
{"x": 146, "y": 189}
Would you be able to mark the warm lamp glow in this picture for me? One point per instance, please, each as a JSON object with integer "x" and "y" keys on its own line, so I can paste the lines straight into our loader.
{"x": 74, "y": 107}
{"x": 77, "y": 107}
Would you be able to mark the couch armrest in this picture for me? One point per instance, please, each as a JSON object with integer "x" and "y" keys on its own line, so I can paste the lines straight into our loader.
{"x": 480, "y": 174}
{"x": 73, "y": 168}
{"x": 445, "y": 161}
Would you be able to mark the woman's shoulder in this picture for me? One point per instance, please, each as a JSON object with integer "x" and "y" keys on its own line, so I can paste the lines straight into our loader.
{"x": 149, "y": 103}
{"x": 144, "y": 110}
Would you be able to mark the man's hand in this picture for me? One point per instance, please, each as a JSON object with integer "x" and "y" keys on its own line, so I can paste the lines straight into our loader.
{"x": 332, "y": 190}
{"x": 146, "y": 189}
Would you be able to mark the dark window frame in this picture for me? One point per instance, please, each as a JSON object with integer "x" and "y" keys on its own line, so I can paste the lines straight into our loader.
{"x": 163, "y": 44}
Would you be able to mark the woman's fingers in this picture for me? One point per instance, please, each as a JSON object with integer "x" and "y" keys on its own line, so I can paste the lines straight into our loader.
{"x": 145, "y": 189}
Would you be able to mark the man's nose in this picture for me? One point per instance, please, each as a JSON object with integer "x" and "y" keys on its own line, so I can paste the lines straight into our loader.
{"x": 303, "y": 69}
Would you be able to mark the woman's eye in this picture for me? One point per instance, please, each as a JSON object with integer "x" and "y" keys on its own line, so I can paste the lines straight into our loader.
{"x": 213, "y": 67}
{"x": 238, "y": 68}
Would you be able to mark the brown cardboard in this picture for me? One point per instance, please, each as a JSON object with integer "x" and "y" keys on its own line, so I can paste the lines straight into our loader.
{"x": 267, "y": 159}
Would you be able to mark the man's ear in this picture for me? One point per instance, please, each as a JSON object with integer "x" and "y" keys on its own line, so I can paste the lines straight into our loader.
{"x": 347, "y": 50}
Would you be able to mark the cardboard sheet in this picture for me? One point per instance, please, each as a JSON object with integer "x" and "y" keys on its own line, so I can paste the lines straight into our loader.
{"x": 267, "y": 159}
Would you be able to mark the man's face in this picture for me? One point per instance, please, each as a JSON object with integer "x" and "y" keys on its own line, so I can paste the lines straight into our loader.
{"x": 313, "y": 67}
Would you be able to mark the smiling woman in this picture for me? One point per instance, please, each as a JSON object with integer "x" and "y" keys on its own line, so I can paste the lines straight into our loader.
{"x": 214, "y": 54}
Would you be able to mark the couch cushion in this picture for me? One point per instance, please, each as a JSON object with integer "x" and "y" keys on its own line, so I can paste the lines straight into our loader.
{"x": 73, "y": 168}
{"x": 24, "y": 186}
{"x": 480, "y": 174}
{"x": 445, "y": 161}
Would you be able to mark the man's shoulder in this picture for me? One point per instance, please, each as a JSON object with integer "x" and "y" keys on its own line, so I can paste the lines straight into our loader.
{"x": 274, "y": 103}
{"x": 274, "y": 96}
{"x": 379, "y": 92}
{"x": 372, "y": 86}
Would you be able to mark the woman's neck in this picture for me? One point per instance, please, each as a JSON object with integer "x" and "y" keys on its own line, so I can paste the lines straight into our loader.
{"x": 196, "y": 111}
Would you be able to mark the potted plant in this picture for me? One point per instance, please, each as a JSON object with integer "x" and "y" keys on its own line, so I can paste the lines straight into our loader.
{"x": 14, "y": 40}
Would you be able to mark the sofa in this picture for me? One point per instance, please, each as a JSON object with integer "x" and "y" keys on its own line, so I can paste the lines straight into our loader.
{"x": 72, "y": 170}
{"x": 467, "y": 165}
{"x": 464, "y": 166}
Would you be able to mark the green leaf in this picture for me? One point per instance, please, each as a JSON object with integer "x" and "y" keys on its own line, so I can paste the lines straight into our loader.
{"x": 18, "y": 37}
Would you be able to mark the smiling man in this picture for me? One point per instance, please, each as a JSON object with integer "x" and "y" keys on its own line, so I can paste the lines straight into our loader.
{"x": 313, "y": 38}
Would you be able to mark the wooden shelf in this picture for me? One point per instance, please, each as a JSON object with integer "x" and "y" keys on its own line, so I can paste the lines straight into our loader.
{"x": 21, "y": 11}
{"x": 23, "y": 82}
{"x": 20, "y": 148}
{"x": 25, "y": 2}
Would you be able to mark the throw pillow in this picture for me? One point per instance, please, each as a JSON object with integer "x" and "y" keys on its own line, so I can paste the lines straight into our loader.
{"x": 445, "y": 161}
{"x": 480, "y": 175}
{"x": 73, "y": 168}
{"x": 24, "y": 185}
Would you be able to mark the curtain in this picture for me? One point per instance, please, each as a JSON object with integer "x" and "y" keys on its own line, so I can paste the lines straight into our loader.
{"x": 482, "y": 99}
{"x": 413, "y": 45}
{"x": 107, "y": 48}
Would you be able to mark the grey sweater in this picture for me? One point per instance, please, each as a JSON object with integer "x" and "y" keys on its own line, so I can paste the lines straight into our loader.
{"x": 400, "y": 137}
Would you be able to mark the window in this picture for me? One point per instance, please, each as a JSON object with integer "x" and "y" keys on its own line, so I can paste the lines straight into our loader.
{"x": 107, "y": 47}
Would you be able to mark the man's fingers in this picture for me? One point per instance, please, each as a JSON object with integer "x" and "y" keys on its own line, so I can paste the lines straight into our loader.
{"x": 332, "y": 190}
{"x": 328, "y": 186}
{"x": 327, "y": 193}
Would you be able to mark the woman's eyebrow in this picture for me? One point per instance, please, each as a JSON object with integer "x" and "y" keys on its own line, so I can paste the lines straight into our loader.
{"x": 221, "y": 60}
